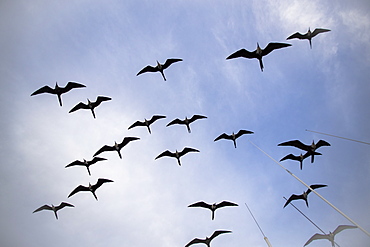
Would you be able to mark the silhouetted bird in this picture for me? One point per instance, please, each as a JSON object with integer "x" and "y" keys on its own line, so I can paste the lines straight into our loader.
{"x": 85, "y": 163}
{"x": 91, "y": 188}
{"x": 54, "y": 208}
{"x": 117, "y": 147}
{"x": 207, "y": 240}
{"x": 58, "y": 90}
{"x": 90, "y": 105}
{"x": 213, "y": 206}
{"x": 309, "y": 35}
{"x": 186, "y": 121}
{"x": 258, "y": 53}
{"x": 233, "y": 136}
{"x": 329, "y": 236}
{"x": 304, "y": 195}
{"x": 176, "y": 154}
{"x": 159, "y": 67}
{"x": 299, "y": 158}
{"x": 146, "y": 123}
{"x": 309, "y": 148}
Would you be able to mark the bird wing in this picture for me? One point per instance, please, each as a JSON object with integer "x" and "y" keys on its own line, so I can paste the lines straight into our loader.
{"x": 104, "y": 148}
{"x": 342, "y": 227}
{"x": 100, "y": 182}
{"x": 44, "y": 89}
{"x": 137, "y": 123}
{"x": 316, "y": 236}
{"x": 273, "y": 46}
{"x": 176, "y": 121}
{"x": 170, "y": 61}
{"x": 100, "y": 99}
{"x": 78, "y": 189}
{"x": 295, "y": 143}
{"x": 148, "y": 69}
{"x": 187, "y": 150}
{"x": 297, "y": 35}
{"x": 80, "y": 105}
{"x": 46, "y": 207}
{"x": 62, "y": 205}
{"x": 291, "y": 157}
{"x": 166, "y": 153}
{"x": 216, "y": 233}
{"x": 155, "y": 118}
{"x": 70, "y": 85}
{"x": 195, "y": 241}
{"x": 315, "y": 186}
{"x": 96, "y": 159}
{"x": 200, "y": 204}
{"x": 242, "y": 132}
{"x": 126, "y": 140}
{"x": 196, "y": 117}
{"x": 225, "y": 203}
{"x": 242, "y": 53}
{"x": 322, "y": 143}
{"x": 75, "y": 163}
{"x": 319, "y": 30}
{"x": 223, "y": 136}
{"x": 292, "y": 198}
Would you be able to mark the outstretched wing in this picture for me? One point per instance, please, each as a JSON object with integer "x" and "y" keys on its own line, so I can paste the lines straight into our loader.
{"x": 100, "y": 99}
{"x": 80, "y": 105}
{"x": 100, "y": 182}
{"x": 315, "y": 186}
{"x": 242, "y": 132}
{"x": 44, "y": 89}
{"x": 322, "y": 143}
{"x": 242, "y": 53}
{"x": 176, "y": 121}
{"x": 62, "y": 205}
{"x": 297, "y": 35}
{"x": 148, "y": 69}
{"x": 187, "y": 150}
{"x": 196, "y": 117}
{"x": 70, "y": 85}
{"x": 200, "y": 204}
{"x": 137, "y": 123}
{"x": 170, "y": 61}
{"x": 126, "y": 140}
{"x": 319, "y": 30}
{"x": 291, "y": 157}
{"x": 223, "y": 136}
{"x": 96, "y": 159}
{"x": 195, "y": 241}
{"x": 75, "y": 163}
{"x": 216, "y": 233}
{"x": 104, "y": 149}
{"x": 292, "y": 198}
{"x": 342, "y": 227}
{"x": 166, "y": 153}
{"x": 78, "y": 189}
{"x": 316, "y": 236}
{"x": 225, "y": 204}
{"x": 155, "y": 118}
{"x": 46, "y": 207}
{"x": 295, "y": 143}
{"x": 273, "y": 46}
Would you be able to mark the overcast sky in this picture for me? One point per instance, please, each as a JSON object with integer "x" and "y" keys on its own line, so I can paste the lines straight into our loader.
{"x": 104, "y": 44}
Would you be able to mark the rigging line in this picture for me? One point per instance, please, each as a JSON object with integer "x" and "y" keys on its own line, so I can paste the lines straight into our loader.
{"x": 255, "y": 220}
{"x": 339, "y": 137}
{"x": 308, "y": 218}
{"x": 348, "y": 218}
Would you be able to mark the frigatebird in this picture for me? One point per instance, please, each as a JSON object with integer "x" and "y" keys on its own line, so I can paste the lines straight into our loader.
{"x": 331, "y": 235}
{"x": 299, "y": 158}
{"x": 147, "y": 123}
{"x": 309, "y": 35}
{"x": 117, "y": 146}
{"x": 213, "y": 206}
{"x": 233, "y": 136}
{"x": 258, "y": 53}
{"x": 309, "y": 148}
{"x": 159, "y": 67}
{"x": 85, "y": 163}
{"x": 90, "y": 105}
{"x": 91, "y": 188}
{"x": 304, "y": 195}
{"x": 207, "y": 240}
{"x": 58, "y": 90}
{"x": 54, "y": 208}
{"x": 177, "y": 154}
{"x": 186, "y": 121}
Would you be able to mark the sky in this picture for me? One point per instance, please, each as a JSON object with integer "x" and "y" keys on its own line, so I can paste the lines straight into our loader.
{"x": 104, "y": 44}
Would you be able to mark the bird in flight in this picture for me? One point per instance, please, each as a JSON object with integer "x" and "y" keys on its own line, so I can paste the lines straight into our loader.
{"x": 58, "y": 90}
{"x": 233, "y": 136}
{"x": 117, "y": 146}
{"x": 309, "y": 148}
{"x": 159, "y": 67}
{"x": 207, "y": 240}
{"x": 147, "y": 123}
{"x": 258, "y": 53}
{"x": 177, "y": 154}
{"x": 90, "y": 105}
{"x": 331, "y": 235}
{"x": 309, "y": 35}
{"x": 91, "y": 188}
{"x": 186, "y": 121}
{"x": 213, "y": 206}
{"x": 299, "y": 158}
{"x": 304, "y": 195}
{"x": 85, "y": 163}
{"x": 53, "y": 208}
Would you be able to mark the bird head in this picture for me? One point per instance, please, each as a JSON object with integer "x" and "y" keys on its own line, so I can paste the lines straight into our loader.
{"x": 158, "y": 64}
{"x": 56, "y": 85}
{"x": 259, "y": 50}
{"x": 88, "y": 101}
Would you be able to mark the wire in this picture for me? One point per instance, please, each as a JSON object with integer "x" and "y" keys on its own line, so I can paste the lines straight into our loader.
{"x": 264, "y": 236}
{"x": 339, "y": 137}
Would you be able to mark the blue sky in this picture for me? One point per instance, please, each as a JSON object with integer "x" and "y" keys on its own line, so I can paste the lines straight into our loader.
{"x": 104, "y": 44}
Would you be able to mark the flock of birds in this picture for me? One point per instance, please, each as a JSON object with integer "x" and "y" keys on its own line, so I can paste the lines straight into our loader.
{"x": 310, "y": 150}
